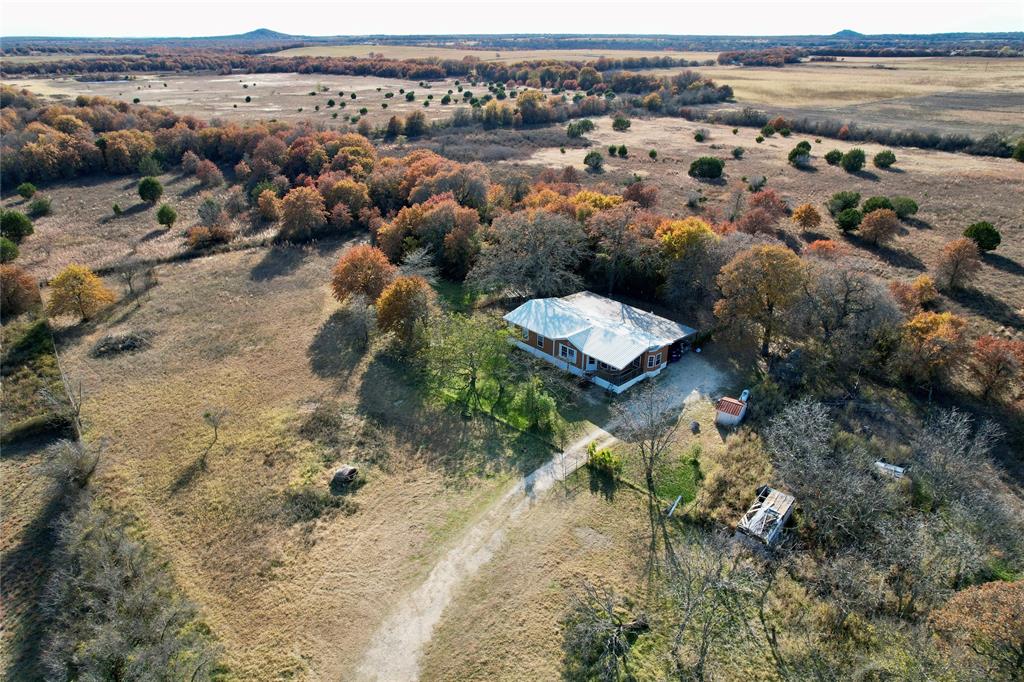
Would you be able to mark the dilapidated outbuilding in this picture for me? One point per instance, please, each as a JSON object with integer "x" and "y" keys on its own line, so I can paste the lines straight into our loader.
{"x": 767, "y": 516}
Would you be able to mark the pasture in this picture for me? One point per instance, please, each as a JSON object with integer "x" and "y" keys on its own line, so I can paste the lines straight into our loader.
{"x": 506, "y": 56}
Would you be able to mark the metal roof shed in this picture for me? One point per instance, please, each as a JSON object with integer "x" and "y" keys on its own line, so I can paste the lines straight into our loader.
{"x": 768, "y": 515}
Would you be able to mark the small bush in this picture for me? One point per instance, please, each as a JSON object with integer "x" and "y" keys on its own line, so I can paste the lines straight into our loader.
{"x": 612, "y": 149}
{"x": 117, "y": 210}
{"x": 700, "y": 135}
{"x": 841, "y": 201}
{"x": 799, "y": 157}
{"x": 653, "y": 154}
{"x": 1018, "y": 151}
{"x": 735, "y": 131}
{"x": 884, "y": 159}
{"x": 579, "y": 128}
{"x": 15, "y": 225}
{"x": 875, "y": 203}
{"x": 848, "y": 219}
{"x": 622, "y": 151}
{"x": 26, "y": 190}
{"x": 984, "y": 234}
{"x": 833, "y": 157}
{"x": 40, "y": 206}
{"x": 737, "y": 152}
{"x": 8, "y": 250}
{"x": 621, "y": 124}
{"x": 756, "y": 183}
{"x": 904, "y": 207}
{"x": 707, "y": 167}
{"x": 150, "y": 190}
{"x": 593, "y": 160}
{"x": 149, "y": 166}
{"x": 767, "y": 131}
{"x": 785, "y": 132}
{"x": 759, "y": 139}
{"x": 604, "y": 460}
{"x": 853, "y": 160}
{"x": 166, "y": 215}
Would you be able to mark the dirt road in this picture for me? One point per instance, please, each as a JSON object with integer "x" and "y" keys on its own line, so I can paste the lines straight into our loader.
{"x": 395, "y": 649}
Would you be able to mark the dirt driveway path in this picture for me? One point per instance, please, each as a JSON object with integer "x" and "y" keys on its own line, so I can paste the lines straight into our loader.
{"x": 394, "y": 651}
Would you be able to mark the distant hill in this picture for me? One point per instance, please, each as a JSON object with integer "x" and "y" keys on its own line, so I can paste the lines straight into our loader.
{"x": 257, "y": 35}
{"x": 847, "y": 33}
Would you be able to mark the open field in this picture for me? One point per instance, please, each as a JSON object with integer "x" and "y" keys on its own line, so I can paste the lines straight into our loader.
{"x": 255, "y": 333}
{"x": 953, "y": 191}
{"x": 275, "y": 96}
{"x": 949, "y": 94}
{"x": 508, "y": 56}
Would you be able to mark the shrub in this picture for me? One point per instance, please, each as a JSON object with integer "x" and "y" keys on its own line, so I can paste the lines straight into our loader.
{"x": 767, "y": 131}
{"x": 707, "y": 167}
{"x": 806, "y": 216}
{"x": 904, "y": 207}
{"x": 805, "y": 145}
{"x": 8, "y": 250}
{"x": 984, "y": 234}
{"x": 604, "y": 460}
{"x": 593, "y": 160}
{"x": 166, "y": 215}
{"x": 621, "y": 124}
{"x": 612, "y": 149}
{"x": 958, "y": 264}
{"x": 653, "y": 154}
{"x": 833, "y": 157}
{"x": 26, "y": 190}
{"x": 269, "y": 206}
{"x": 737, "y": 152}
{"x": 209, "y": 174}
{"x": 735, "y": 131}
{"x": 18, "y": 291}
{"x": 189, "y": 162}
{"x": 579, "y": 128}
{"x": 623, "y": 152}
{"x": 150, "y": 190}
{"x": 1018, "y": 151}
{"x": 40, "y": 206}
{"x": 117, "y": 210}
{"x": 756, "y": 183}
{"x": 15, "y": 225}
{"x": 848, "y": 219}
{"x": 841, "y": 201}
{"x": 759, "y": 139}
{"x": 785, "y": 132}
{"x": 852, "y": 160}
{"x": 875, "y": 203}
{"x": 149, "y": 166}
{"x": 700, "y": 135}
{"x": 799, "y": 157}
{"x": 884, "y": 159}
{"x": 880, "y": 225}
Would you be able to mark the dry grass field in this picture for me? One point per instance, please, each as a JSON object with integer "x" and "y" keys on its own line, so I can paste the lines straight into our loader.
{"x": 508, "y": 56}
{"x": 256, "y": 333}
{"x": 950, "y": 94}
{"x": 953, "y": 191}
{"x": 274, "y": 96}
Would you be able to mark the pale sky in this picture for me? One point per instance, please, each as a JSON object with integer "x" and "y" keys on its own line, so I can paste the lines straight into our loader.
{"x": 326, "y": 17}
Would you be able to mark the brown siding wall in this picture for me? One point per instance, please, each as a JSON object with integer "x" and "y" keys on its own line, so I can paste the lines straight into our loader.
{"x": 550, "y": 347}
{"x": 664, "y": 358}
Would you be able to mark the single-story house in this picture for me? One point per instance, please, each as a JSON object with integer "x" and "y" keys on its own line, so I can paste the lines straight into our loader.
{"x": 612, "y": 344}
{"x": 767, "y": 516}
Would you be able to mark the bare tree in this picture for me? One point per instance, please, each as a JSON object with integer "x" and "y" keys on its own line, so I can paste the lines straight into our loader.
{"x": 598, "y": 635}
{"x": 213, "y": 417}
{"x": 651, "y": 428}
{"x": 70, "y": 464}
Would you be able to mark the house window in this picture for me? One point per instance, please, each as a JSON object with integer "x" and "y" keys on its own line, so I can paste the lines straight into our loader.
{"x": 526, "y": 332}
{"x": 654, "y": 360}
{"x": 540, "y": 342}
{"x": 566, "y": 352}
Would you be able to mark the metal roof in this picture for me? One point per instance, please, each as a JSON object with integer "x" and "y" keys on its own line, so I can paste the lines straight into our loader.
{"x": 606, "y": 330}
{"x": 767, "y": 515}
{"x": 730, "y": 406}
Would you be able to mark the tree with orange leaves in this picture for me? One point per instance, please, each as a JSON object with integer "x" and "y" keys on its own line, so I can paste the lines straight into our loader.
{"x": 806, "y": 216}
{"x": 932, "y": 342}
{"x": 880, "y": 226}
{"x": 403, "y": 307}
{"x": 987, "y": 620}
{"x": 362, "y": 270}
{"x": 958, "y": 264}
{"x": 997, "y": 364}
{"x": 302, "y": 213}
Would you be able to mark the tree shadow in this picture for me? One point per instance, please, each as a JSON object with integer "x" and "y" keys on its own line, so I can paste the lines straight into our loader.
{"x": 602, "y": 483}
{"x": 189, "y": 474}
{"x": 191, "y": 191}
{"x": 809, "y": 236}
{"x": 895, "y": 257}
{"x": 153, "y": 234}
{"x": 25, "y": 571}
{"x": 336, "y": 347}
{"x": 866, "y": 175}
{"x": 278, "y": 261}
{"x": 986, "y": 305}
{"x": 917, "y": 223}
{"x": 135, "y": 209}
{"x": 1003, "y": 263}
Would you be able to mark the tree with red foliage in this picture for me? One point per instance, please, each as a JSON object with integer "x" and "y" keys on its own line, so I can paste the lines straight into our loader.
{"x": 997, "y": 364}
{"x": 302, "y": 214}
{"x": 958, "y": 264}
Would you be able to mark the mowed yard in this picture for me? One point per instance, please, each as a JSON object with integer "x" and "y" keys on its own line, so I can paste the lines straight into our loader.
{"x": 256, "y": 334}
{"x": 952, "y": 190}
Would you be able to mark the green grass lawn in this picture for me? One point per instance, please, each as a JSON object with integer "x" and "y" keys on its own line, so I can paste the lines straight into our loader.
{"x": 681, "y": 476}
